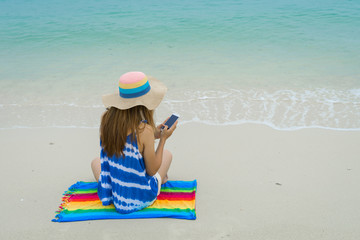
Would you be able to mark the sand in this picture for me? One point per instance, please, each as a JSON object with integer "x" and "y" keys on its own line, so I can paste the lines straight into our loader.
{"x": 254, "y": 182}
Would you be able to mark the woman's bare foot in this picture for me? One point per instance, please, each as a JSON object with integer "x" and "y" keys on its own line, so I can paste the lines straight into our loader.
{"x": 165, "y": 179}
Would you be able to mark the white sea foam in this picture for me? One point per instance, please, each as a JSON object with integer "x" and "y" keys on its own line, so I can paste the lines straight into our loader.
{"x": 283, "y": 109}
{"x": 280, "y": 109}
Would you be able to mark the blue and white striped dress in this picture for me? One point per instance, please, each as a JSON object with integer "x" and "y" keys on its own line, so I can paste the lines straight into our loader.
{"x": 124, "y": 182}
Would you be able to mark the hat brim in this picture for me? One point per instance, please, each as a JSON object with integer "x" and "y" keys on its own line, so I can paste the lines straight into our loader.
{"x": 151, "y": 100}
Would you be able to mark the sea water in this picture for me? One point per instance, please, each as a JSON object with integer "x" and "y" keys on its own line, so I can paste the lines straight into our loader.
{"x": 287, "y": 64}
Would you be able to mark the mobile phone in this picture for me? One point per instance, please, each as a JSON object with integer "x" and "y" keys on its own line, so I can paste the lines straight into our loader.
{"x": 171, "y": 120}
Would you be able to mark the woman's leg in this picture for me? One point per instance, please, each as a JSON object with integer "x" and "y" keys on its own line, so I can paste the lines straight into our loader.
{"x": 96, "y": 168}
{"x": 165, "y": 165}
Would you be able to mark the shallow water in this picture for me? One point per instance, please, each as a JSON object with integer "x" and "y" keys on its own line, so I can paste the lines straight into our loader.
{"x": 285, "y": 64}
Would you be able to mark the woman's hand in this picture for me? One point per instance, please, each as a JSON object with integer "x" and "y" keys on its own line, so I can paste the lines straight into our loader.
{"x": 157, "y": 132}
{"x": 166, "y": 132}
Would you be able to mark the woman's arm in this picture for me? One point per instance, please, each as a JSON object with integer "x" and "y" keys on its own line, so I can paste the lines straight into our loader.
{"x": 153, "y": 158}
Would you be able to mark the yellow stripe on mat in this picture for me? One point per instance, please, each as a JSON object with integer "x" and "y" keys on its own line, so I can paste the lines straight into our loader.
{"x": 71, "y": 206}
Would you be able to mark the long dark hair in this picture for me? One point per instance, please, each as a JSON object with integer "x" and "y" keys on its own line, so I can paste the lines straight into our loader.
{"x": 116, "y": 123}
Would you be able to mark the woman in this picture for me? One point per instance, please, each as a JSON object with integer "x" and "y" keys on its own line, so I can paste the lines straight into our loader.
{"x": 130, "y": 171}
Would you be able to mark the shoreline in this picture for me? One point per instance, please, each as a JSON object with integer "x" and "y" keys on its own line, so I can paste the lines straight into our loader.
{"x": 281, "y": 109}
{"x": 254, "y": 182}
{"x": 234, "y": 124}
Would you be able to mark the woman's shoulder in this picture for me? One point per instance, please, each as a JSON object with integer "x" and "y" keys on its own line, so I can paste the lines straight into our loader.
{"x": 146, "y": 129}
{"x": 146, "y": 135}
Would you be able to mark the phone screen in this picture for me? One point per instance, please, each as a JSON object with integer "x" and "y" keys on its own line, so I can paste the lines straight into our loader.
{"x": 171, "y": 120}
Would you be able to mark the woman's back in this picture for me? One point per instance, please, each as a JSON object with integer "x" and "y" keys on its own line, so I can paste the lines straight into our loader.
{"x": 123, "y": 180}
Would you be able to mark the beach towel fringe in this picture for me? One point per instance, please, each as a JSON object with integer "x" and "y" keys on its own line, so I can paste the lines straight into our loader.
{"x": 66, "y": 197}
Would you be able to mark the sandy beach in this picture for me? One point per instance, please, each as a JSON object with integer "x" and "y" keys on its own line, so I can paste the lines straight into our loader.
{"x": 254, "y": 182}
{"x": 268, "y": 94}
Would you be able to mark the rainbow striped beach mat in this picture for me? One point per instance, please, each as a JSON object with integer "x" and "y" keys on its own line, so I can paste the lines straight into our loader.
{"x": 81, "y": 202}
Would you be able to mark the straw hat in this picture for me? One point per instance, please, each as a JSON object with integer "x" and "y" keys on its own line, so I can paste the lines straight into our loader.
{"x": 135, "y": 88}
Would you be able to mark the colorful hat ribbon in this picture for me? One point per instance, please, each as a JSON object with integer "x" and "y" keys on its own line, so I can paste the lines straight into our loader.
{"x": 133, "y": 85}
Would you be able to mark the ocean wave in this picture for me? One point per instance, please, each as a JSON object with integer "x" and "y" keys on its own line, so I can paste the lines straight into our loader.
{"x": 282, "y": 109}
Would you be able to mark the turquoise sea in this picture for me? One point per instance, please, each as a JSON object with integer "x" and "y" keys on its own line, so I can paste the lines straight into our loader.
{"x": 287, "y": 64}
